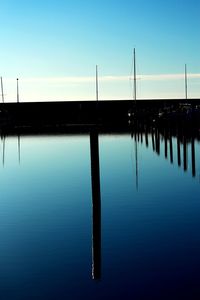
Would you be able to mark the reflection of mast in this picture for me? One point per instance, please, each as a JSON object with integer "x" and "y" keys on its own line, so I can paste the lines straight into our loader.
{"x": 136, "y": 163}
{"x": 19, "y": 149}
{"x": 96, "y": 207}
{"x": 4, "y": 149}
{"x": 4, "y": 145}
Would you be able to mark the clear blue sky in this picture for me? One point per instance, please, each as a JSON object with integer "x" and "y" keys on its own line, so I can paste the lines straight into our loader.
{"x": 53, "y": 47}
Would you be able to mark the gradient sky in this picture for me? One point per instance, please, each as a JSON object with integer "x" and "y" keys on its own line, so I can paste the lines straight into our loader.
{"x": 53, "y": 47}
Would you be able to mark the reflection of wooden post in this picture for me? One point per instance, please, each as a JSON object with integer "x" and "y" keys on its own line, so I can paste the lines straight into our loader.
{"x": 157, "y": 135}
{"x": 146, "y": 137}
{"x": 153, "y": 140}
{"x": 193, "y": 157}
{"x": 141, "y": 136}
{"x": 166, "y": 146}
{"x": 179, "y": 150}
{"x": 96, "y": 207}
{"x": 171, "y": 148}
{"x": 135, "y": 131}
{"x": 185, "y": 154}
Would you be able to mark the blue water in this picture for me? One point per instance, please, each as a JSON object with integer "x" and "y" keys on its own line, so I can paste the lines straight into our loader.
{"x": 150, "y": 220}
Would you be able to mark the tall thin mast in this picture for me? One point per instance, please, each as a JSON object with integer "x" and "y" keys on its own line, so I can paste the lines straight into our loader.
{"x": 2, "y": 93}
{"x": 17, "y": 90}
{"x": 97, "y": 84}
{"x": 134, "y": 61}
{"x": 186, "y": 84}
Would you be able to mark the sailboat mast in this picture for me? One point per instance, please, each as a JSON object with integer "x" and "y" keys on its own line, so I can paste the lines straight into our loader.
{"x": 2, "y": 93}
{"x": 17, "y": 90}
{"x": 186, "y": 84}
{"x": 134, "y": 61}
{"x": 97, "y": 84}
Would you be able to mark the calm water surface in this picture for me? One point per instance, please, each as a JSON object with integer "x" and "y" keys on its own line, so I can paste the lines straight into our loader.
{"x": 138, "y": 237}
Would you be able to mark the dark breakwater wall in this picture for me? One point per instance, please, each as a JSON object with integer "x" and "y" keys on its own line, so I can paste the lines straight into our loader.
{"x": 58, "y": 113}
{"x": 74, "y": 113}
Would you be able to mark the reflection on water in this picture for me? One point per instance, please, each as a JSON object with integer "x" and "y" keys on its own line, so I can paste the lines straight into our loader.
{"x": 96, "y": 205}
{"x": 180, "y": 141}
{"x": 3, "y": 138}
{"x": 105, "y": 205}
